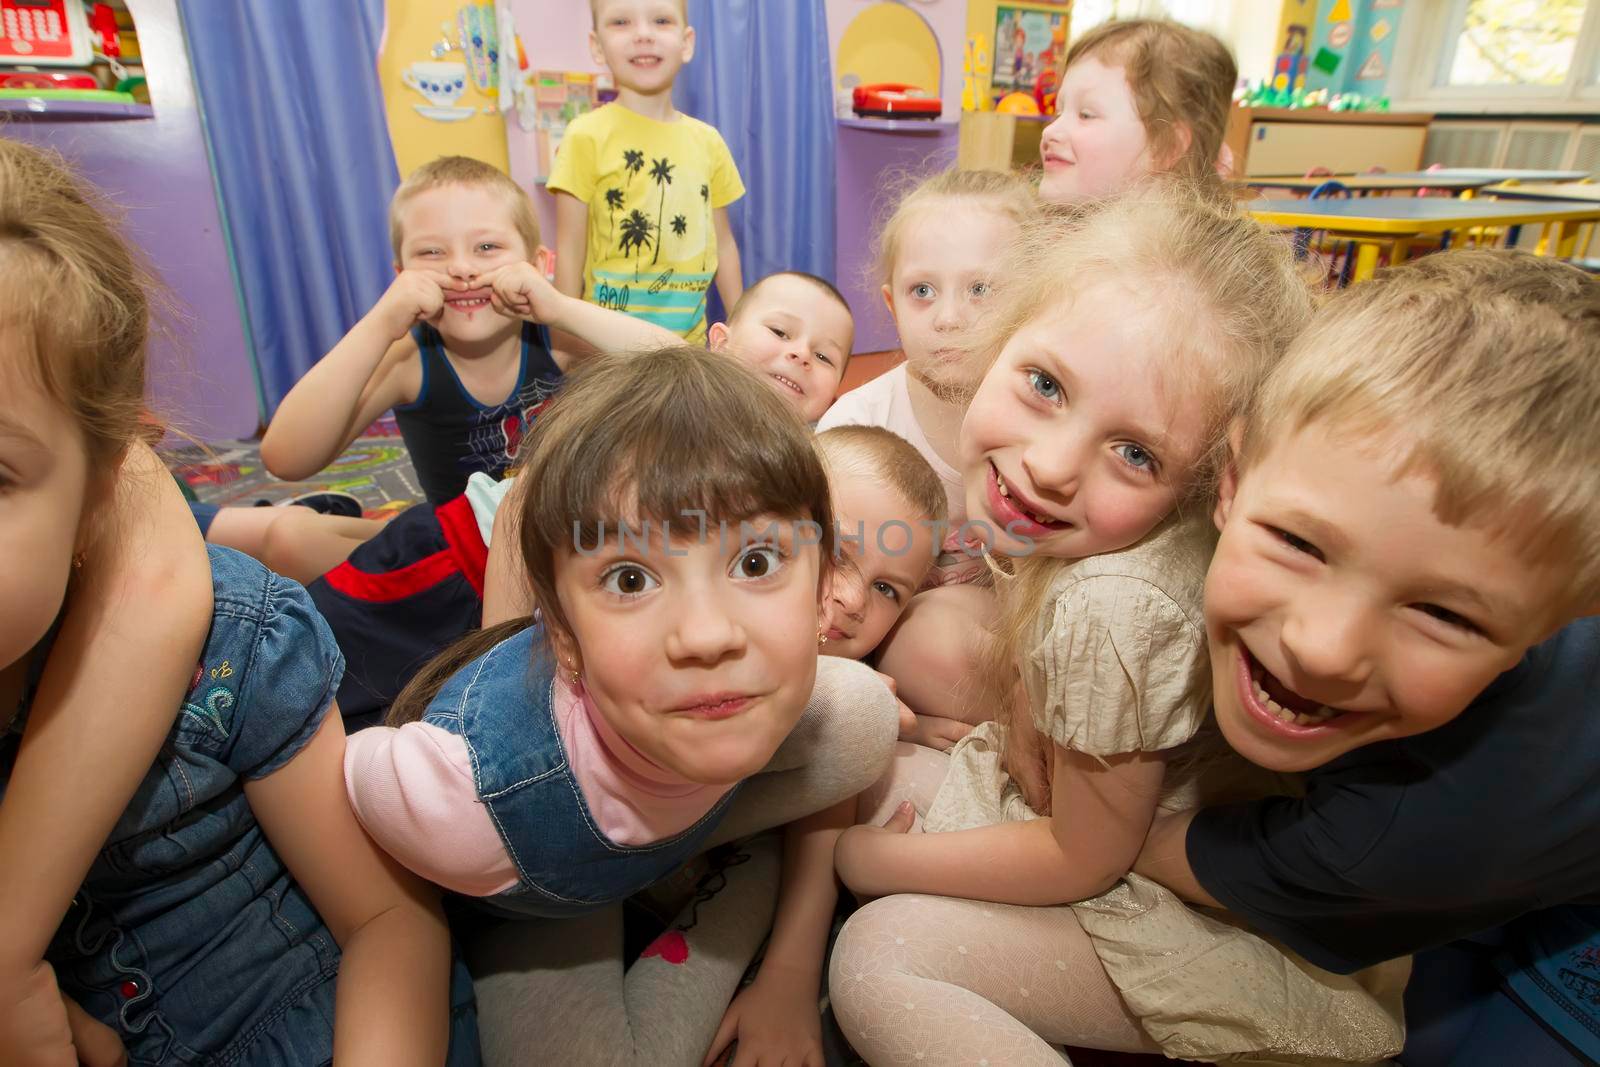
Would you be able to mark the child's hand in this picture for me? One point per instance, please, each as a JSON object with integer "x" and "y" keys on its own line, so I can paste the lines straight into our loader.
{"x": 414, "y": 296}
{"x": 96, "y": 1044}
{"x": 521, "y": 290}
{"x": 859, "y": 858}
{"x": 775, "y": 1020}
{"x": 931, "y": 731}
{"x": 34, "y": 1028}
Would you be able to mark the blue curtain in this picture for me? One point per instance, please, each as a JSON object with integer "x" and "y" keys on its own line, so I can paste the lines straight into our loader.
{"x": 304, "y": 168}
{"x": 760, "y": 75}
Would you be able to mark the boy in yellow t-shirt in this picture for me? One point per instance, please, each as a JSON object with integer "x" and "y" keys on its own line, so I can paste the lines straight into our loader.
{"x": 643, "y": 190}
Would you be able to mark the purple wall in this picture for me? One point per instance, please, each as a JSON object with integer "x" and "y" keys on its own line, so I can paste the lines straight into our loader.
{"x": 201, "y": 376}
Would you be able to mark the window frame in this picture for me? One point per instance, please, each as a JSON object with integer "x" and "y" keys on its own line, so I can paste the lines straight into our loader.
{"x": 1424, "y": 53}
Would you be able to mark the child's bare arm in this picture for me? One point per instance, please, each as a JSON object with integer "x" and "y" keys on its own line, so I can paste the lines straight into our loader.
{"x": 370, "y": 370}
{"x": 1100, "y": 815}
{"x": 572, "y": 243}
{"x": 577, "y": 327}
{"x": 1165, "y": 858}
{"x": 775, "y": 1018}
{"x": 730, "y": 272}
{"x": 136, "y": 621}
{"x": 392, "y": 1003}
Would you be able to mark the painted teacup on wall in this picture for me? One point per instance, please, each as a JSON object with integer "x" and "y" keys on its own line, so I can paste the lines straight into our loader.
{"x": 441, "y": 83}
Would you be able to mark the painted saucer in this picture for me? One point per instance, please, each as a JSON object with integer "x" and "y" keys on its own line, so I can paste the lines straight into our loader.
{"x": 445, "y": 114}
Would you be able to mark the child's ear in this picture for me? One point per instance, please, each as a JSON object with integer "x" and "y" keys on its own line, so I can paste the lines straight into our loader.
{"x": 688, "y": 43}
{"x": 717, "y": 337}
{"x": 595, "y": 53}
{"x": 1228, "y": 483}
{"x": 1182, "y": 138}
{"x": 1224, "y": 164}
{"x": 544, "y": 261}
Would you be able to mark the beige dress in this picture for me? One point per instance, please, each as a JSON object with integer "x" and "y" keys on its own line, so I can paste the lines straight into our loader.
{"x": 1119, "y": 664}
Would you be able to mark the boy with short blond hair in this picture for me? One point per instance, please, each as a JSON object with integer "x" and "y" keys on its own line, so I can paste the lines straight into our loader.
{"x": 642, "y": 189}
{"x": 795, "y": 329}
{"x": 1410, "y": 543}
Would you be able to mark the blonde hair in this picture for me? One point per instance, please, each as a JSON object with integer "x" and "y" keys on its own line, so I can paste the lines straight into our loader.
{"x": 472, "y": 173}
{"x": 1006, "y": 193}
{"x": 891, "y": 461}
{"x": 78, "y": 298}
{"x": 594, "y": 11}
{"x": 1180, "y": 78}
{"x": 655, "y": 436}
{"x": 1224, "y": 294}
{"x": 1481, "y": 369}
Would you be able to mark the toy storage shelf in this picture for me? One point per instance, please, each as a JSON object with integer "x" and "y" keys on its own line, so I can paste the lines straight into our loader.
{"x": 1274, "y": 141}
{"x": 35, "y": 107}
{"x": 897, "y": 125}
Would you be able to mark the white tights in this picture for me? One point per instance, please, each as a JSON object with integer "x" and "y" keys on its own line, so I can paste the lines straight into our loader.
{"x": 934, "y": 980}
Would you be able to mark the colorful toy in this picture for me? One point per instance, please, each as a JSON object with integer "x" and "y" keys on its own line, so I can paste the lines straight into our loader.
{"x": 896, "y": 101}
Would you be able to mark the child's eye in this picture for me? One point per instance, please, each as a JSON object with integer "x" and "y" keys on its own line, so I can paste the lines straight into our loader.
{"x": 1138, "y": 457}
{"x": 488, "y": 246}
{"x": 1449, "y": 618}
{"x": 979, "y": 289}
{"x": 886, "y": 589}
{"x": 776, "y": 332}
{"x": 628, "y": 580}
{"x": 823, "y": 358}
{"x": 760, "y": 562}
{"x": 1299, "y": 544}
{"x": 1044, "y": 385}
{"x": 1086, "y": 115}
{"x": 922, "y": 291}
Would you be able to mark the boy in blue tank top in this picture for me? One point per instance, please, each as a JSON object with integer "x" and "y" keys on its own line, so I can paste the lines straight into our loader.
{"x": 466, "y": 346}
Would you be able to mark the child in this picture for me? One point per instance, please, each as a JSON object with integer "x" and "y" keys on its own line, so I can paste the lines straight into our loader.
{"x": 661, "y": 705}
{"x": 1396, "y": 607}
{"x": 455, "y": 346}
{"x": 795, "y": 329}
{"x": 889, "y": 504}
{"x": 1139, "y": 97}
{"x": 936, "y": 255}
{"x": 431, "y": 576}
{"x": 613, "y": 216}
{"x": 1125, "y": 344}
{"x": 213, "y": 918}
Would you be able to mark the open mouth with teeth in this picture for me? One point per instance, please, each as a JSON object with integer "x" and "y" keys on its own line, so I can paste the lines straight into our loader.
{"x": 468, "y": 302}
{"x": 790, "y": 384}
{"x": 645, "y": 62}
{"x": 1279, "y": 707}
{"x": 1016, "y": 512}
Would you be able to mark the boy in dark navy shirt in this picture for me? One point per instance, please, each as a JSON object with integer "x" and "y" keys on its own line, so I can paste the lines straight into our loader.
{"x": 1410, "y": 538}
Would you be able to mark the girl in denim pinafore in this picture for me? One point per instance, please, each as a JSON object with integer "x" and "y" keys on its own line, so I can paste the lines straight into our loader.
{"x": 668, "y": 698}
{"x": 235, "y": 913}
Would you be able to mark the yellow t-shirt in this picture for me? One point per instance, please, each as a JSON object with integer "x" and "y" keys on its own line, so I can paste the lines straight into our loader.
{"x": 651, "y": 188}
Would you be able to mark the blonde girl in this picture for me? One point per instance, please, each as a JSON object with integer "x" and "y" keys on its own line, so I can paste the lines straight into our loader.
{"x": 202, "y": 892}
{"x": 1089, "y": 448}
{"x": 676, "y": 529}
{"x": 1140, "y": 97}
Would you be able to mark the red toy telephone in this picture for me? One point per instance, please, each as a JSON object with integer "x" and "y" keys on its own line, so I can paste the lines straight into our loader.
{"x": 891, "y": 100}
{"x": 45, "y": 33}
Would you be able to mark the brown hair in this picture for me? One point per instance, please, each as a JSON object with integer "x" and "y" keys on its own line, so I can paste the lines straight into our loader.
{"x": 464, "y": 170}
{"x": 658, "y": 436}
{"x": 1225, "y": 298}
{"x": 78, "y": 298}
{"x": 1180, "y": 77}
{"x": 889, "y": 459}
{"x": 1007, "y": 193}
{"x": 1482, "y": 370}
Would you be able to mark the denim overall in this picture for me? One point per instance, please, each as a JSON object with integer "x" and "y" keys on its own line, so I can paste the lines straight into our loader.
{"x": 189, "y": 938}
{"x": 500, "y": 704}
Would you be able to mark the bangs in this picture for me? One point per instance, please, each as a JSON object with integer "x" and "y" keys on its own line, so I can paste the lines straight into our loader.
{"x": 677, "y": 437}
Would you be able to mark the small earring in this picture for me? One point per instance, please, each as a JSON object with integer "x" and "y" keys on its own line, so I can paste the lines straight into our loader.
{"x": 77, "y": 560}
{"x": 822, "y": 637}
{"x": 573, "y": 676}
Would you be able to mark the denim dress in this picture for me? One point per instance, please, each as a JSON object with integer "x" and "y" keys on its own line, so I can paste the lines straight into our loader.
{"x": 501, "y": 704}
{"x": 189, "y": 938}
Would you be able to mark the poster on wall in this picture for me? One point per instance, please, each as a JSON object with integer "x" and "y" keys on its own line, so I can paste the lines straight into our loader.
{"x": 1026, "y": 44}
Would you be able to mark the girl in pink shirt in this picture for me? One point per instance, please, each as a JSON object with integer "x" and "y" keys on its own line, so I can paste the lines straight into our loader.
{"x": 677, "y": 533}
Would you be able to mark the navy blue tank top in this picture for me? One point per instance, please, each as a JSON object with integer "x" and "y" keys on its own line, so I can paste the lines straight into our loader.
{"x": 450, "y": 435}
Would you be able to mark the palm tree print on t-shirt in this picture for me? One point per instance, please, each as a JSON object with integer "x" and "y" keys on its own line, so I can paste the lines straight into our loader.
{"x": 661, "y": 174}
{"x": 636, "y": 230}
{"x": 705, "y": 249}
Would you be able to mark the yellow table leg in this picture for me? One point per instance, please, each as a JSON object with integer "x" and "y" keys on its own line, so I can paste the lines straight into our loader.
{"x": 1366, "y": 261}
{"x": 1401, "y": 249}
